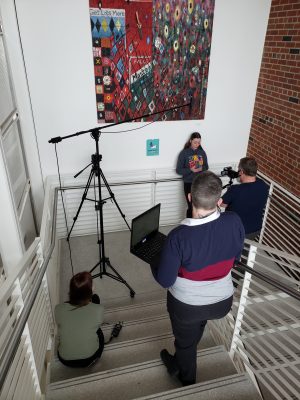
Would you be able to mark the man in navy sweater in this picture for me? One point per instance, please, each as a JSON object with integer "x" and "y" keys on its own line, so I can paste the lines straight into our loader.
{"x": 195, "y": 266}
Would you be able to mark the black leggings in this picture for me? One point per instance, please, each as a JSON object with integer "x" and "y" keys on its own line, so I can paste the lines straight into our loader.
{"x": 85, "y": 362}
{"x": 187, "y": 189}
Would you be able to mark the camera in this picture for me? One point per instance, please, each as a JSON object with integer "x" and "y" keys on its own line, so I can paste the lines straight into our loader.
{"x": 228, "y": 171}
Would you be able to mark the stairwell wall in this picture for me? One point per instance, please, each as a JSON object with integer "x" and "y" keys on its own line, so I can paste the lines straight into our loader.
{"x": 57, "y": 49}
{"x": 275, "y": 130}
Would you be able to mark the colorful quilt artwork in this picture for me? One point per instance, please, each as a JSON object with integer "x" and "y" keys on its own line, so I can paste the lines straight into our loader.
{"x": 151, "y": 56}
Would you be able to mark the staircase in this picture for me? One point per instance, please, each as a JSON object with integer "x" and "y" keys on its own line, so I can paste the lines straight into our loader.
{"x": 130, "y": 366}
{"x": 262, "y": 332}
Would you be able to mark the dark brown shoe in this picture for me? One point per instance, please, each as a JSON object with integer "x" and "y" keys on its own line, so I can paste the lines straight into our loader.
{"x": 170, "y": 363}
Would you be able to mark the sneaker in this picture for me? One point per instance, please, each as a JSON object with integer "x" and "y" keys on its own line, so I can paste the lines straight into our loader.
{"x": 186, "y": 383}
{"x": 95, "y": 299}
{"x": 169, "y": 362}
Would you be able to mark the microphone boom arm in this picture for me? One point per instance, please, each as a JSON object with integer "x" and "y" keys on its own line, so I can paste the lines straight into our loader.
{"x": 60, "y": 138}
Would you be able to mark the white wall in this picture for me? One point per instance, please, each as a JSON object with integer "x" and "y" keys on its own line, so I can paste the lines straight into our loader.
{"x": 57, "y": 47}
{"x": 14, "y": 50}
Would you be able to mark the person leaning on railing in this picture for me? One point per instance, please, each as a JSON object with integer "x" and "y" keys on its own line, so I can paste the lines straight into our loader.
{"x": 81, "y": 339}
{"x": 249, "y": 198}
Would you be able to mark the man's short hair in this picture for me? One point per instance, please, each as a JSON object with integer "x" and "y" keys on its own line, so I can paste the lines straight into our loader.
{"x": 206, "y": 190}
{"x": 248, "y": 165}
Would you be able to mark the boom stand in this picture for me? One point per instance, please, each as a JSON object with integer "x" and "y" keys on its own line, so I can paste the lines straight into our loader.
{"x": 97, "y": 171}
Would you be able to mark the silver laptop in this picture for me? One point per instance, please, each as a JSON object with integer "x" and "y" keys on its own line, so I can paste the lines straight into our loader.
{"x": 146, "y": 241}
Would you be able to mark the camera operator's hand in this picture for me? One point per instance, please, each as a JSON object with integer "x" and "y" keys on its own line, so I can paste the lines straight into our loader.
{"x": 196, "y": 169}
{"x": 223, "y": 205}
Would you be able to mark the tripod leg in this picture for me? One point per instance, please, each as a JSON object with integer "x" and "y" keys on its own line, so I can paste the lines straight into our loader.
{"x": 100, "y": 274}
{"x": 113, "y": 198}
{"x": 118, "y": 277}
{"x": 86, "y": 189}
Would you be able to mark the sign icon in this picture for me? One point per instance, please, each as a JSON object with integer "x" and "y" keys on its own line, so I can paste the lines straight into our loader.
{"x": 152, "y": 147}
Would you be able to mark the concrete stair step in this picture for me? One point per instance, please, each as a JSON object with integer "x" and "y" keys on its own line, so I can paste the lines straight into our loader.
{"x": 123, "y": 301}
{"x": 136, "y": 329}
{"x": 120, "y": 354}
{"x": 233, "y": 387}
{"x": 142, "y": 379}
{"x": 145, "y": 315}
{"x": 136, "y": 311}
{"x": 142, "y": 319}
{"x": 140, "y": 328}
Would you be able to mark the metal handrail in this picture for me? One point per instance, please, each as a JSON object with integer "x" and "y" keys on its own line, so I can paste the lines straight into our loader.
{"x": 155, "y": 181}
{"x": 125, "y": 183}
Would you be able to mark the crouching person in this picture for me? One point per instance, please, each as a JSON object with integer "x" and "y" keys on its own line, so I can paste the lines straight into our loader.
{"x": 81, "y": 339}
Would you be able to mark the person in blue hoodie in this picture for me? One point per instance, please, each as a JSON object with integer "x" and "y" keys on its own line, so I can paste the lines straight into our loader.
{"x": 192, "y": 160}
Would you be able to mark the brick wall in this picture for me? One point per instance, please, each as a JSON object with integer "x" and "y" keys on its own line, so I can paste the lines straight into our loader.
{"x": 275, "y": 132}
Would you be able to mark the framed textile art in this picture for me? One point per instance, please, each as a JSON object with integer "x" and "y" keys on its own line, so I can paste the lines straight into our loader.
{"x": 150, "y": 56}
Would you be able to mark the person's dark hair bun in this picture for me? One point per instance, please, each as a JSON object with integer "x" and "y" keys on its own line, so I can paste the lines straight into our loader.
{"x": 81, "y": 288}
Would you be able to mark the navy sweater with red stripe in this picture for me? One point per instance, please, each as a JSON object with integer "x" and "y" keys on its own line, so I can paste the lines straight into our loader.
{"x": 201, "y": 252}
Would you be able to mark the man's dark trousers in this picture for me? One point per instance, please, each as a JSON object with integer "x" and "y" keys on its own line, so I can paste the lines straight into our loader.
{"x": 188, "y": 323}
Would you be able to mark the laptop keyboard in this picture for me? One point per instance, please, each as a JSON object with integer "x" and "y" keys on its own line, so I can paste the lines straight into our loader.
{"x": 149, "y": 250}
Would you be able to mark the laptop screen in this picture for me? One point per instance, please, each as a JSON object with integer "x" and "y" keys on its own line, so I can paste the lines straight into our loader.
{"x": 144, "y": 224}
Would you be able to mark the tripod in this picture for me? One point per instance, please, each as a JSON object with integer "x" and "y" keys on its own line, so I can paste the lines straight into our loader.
{"x": 228, "y": 184}
{"x": 97, "y": 172}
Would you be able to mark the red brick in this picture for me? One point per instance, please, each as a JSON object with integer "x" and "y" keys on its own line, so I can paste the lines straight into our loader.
{"x": 276, "y": 144}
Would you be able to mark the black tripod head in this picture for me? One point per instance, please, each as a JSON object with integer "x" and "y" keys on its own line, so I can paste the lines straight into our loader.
{"x": 228, "y": 184}
{"x": 95, "y": 160}
{"x": 228, "y": 171}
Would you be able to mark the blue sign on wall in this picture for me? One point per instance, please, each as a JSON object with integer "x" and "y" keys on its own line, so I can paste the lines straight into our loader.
{"x": 152, "y": 147}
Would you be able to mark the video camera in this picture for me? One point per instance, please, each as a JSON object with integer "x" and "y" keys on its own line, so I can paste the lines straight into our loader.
{"x": 228, "y": 171}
